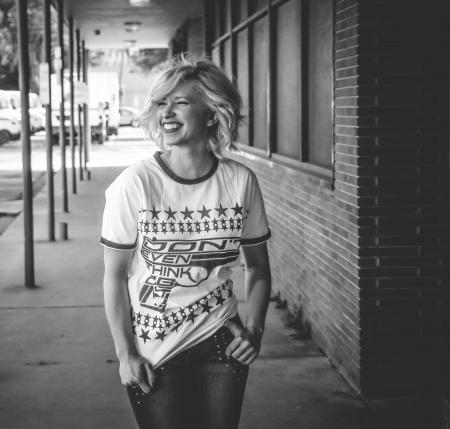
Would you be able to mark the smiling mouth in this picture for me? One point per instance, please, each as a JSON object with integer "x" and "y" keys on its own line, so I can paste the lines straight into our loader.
{"x": 171, "y": 126}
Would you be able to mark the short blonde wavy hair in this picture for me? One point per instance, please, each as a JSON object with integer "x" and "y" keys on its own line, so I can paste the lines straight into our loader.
{"x": 219, "y": 94}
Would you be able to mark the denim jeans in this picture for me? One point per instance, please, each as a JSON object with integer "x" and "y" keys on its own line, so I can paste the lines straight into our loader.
{"x": 201, "y": 388}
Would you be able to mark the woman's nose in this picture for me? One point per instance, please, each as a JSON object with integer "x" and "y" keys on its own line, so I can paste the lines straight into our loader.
{"x": 168, "y": 110}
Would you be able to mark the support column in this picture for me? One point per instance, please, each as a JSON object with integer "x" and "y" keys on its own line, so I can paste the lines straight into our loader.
{"x": 72, "y": 110}
{"x": 79, "y": 108}
{"x": 62, "y": 136}
{"x": 48, "y": 125}
{"x": 87, "y": 128}
{"x": 24, "y": 67}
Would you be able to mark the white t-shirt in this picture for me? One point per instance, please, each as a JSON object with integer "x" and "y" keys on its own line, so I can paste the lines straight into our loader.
{"x": 186, "y": 235}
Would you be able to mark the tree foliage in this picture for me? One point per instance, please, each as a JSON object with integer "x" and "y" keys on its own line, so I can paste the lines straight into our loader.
{"x": 9, "y": 67}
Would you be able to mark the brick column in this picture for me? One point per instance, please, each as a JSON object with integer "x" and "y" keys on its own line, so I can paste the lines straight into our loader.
{"x": 402, "y": 120}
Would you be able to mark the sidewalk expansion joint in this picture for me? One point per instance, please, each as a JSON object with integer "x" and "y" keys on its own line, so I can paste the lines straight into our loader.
{"x": 26, "y": 307}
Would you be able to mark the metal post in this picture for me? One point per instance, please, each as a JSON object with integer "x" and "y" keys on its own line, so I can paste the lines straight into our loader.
{"x": 48, "y": 125}
{"x": 79, "y": 108}
{"x": 72, "y": 111}
{"x": 87, "y": 128}
{"x": 207, "y": 19}
{"x": 24, "y": 67}
{"x": 62, "y": 133}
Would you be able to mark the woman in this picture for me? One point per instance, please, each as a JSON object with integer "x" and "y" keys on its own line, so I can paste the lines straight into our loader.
{"x": 173, "y": 227}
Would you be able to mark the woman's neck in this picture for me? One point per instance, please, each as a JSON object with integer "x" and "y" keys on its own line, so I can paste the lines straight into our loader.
{"x": 189, "y": 162}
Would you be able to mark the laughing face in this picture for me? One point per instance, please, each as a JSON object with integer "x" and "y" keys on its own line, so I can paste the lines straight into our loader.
{"x": 183, "y": 116}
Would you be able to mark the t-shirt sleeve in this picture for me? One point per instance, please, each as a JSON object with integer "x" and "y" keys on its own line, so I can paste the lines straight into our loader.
{"x": 256, "y": 228}
{"x": 120, "y": 217}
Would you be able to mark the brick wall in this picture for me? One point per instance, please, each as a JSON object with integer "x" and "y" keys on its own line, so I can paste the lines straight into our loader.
{"x": 314, "y": 250}
{"x": 364, "y": 262}
{"x": 402, "y": 157}
{"x": 313, "y": 254}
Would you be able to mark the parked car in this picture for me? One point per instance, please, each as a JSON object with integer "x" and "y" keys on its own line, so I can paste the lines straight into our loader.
{"x": 97, "y": 123}
{"x": 37, "y": 114}
{"x": 9, "y": 129}
{"x": 6, "y": 110}
{"x": 129, "y": 116}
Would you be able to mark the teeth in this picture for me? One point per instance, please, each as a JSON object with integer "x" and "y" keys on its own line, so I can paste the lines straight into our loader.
{"x": 171, "y": 126}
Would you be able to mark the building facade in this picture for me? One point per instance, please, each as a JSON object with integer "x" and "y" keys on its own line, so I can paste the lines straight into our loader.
{"x": 347, "y": 129}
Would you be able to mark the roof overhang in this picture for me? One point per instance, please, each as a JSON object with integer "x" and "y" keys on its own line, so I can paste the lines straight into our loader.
{"x": 102, "y": 23}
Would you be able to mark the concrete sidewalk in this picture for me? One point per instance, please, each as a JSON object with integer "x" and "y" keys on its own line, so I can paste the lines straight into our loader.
{"x": 58, "y": 369}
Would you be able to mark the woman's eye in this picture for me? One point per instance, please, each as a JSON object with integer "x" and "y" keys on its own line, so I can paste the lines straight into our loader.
{"x": 161, "y": 103}
{"x": 182, "y": 103}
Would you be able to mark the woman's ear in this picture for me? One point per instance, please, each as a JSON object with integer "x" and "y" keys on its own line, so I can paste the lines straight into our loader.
{"x": 212, "y": 120}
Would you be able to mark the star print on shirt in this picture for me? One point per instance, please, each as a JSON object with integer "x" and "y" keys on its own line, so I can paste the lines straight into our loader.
{"x": 155, "y": 213}
{"x": 221, "y": 211}
{"x": 220, "y": 299}
{"x": 237, "y": 209}
{"x": 138, "y": 318}
{"x": 204, "y": 212}
{"x": 231, "y": 221}
{"x": 162, "y": 326}
{"x": 206, "y": 308}
{"x": 170, "y": 213}
{"x": 160, "y": 335}
{"x": 176, "y": 326}
{"x": 146, "y": 321}
{"x": 187, "y": 213}
{"x": 144, "y": 335}
{"x": 180, "y": 226}
{"x": 191, "y": 317}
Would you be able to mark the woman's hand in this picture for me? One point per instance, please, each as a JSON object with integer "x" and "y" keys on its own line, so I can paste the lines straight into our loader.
{"x": 135, "y": 371}
{"x": 245, "y": 345}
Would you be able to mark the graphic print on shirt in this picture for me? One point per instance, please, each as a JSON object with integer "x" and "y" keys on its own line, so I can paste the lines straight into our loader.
{"x": 162, "y": 325}
{"x": 184, "y": 261}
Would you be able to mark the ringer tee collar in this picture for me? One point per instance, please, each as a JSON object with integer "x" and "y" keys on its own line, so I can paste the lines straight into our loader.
{"x": 172, "y": 175}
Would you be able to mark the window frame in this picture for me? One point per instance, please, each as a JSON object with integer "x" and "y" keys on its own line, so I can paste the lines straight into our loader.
{"x": 300, "y": 163}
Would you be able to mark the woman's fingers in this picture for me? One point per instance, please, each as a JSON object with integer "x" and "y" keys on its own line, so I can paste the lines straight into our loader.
{"x": 245, "y": 355}
{"x": 135, "y": 372}
{"x": 232, "y": 347}
{"x": 244, "y": 350}
{"x": 250, "y": 359}
{"x": 243, "y": 347}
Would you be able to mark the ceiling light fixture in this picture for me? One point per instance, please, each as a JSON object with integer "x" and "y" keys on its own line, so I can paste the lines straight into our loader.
{"x": 129, "y": 43}
{"x": 139, "y": 3}
{"x": 132, "y": 26}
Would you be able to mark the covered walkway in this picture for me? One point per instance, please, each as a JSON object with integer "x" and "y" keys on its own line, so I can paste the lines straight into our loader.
{"x": 58, "y": 368}
{"x": 348, "y": 135}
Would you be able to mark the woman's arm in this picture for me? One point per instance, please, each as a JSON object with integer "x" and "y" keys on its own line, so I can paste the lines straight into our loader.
{"x": 246, "y": 344}
{"x": 133, "y": 369}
